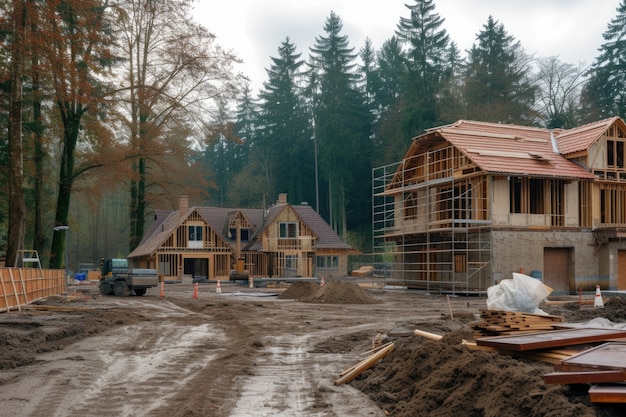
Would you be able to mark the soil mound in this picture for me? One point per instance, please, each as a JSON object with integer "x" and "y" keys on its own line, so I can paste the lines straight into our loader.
{"x": 445, "y": 379}
{"x": 340, "y": 292}
{"x": 299, "y": 290}
{"x": 614, "y": 309}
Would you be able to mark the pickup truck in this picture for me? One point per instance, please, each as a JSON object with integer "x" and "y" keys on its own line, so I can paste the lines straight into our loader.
{"x": 117, "y": 278}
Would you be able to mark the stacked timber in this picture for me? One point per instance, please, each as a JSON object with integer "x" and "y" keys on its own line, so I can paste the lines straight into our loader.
{"x": 500, "y": 322}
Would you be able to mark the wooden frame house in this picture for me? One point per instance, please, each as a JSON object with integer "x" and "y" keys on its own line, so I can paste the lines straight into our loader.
{"x": 472, "y": 202}
{"x": 207, "y": 242}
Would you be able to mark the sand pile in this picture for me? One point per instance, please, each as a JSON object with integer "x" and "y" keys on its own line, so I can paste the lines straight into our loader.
{"x": 333, "y": 292}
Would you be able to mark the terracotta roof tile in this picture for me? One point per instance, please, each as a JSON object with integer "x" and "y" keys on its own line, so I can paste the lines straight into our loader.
{"x": 509, "y": 149}
{"x": 582, "y": 137}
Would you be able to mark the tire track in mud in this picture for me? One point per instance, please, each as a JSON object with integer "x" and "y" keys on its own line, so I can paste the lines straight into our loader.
{"x": 290, "y": 379}
{"x": 132, "y": 371}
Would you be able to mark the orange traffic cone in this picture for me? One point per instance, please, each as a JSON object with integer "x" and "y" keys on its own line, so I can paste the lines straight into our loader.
{"x": 218, "y": 289}
{"x": 598, "y": 301}
{"x": 322, "y": 283}
{"x": 162, "y": 294}
{"x": 195, "y": 291}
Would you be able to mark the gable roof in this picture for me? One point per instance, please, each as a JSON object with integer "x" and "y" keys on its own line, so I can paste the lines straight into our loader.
{"x": 326, "y": 238}
{"x": 516, "y": 150}
{"x": 219, "y": 218}
{"x": 582, "y": 137}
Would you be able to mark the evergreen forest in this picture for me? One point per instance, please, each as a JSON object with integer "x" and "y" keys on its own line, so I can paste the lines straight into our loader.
{"x": 112, "y": 109}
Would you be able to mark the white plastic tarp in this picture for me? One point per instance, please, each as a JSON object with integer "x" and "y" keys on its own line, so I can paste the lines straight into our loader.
{"x": 522, "y": 293}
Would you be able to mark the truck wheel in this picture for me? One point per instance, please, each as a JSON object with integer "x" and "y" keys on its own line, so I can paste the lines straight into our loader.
{"x": 121, "y": 289}
{"x": 105, "y": 288}
{"x": 140, "y": 291}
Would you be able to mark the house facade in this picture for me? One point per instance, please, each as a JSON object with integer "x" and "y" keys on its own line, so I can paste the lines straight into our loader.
{"x": 472, "y": 202}
{"x": 208, "y": 242}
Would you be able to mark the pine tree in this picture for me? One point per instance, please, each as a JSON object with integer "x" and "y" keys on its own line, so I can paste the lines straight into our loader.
{"x": 285, "y": 135}
{"x": 497, "y": 83}
{"x": 604, "y": 95}
{"x": 342, "y": 129}
{"x": 427, "y": 44}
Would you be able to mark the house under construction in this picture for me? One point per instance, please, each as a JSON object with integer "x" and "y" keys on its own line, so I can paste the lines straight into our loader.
{"x": 472, "y": 202}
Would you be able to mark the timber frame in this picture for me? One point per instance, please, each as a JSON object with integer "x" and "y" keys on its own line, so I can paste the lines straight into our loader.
{"x": 472, "y": 202}
{"x": 207, "y": 243}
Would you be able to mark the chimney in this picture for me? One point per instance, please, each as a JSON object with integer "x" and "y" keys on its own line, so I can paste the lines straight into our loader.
{"x": 183, "y": 204}
{"x": 282, "y": 198}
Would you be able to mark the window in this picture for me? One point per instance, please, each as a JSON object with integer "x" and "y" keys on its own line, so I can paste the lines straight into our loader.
{"x": 288, "y": 230}
{"x": 327, "y": 262}
{"x": 195, "y": 236}
{"x": 244, "y": 234}
{"x": 527, "y": 195}
{"x": 291, "y": 261}
{"x": 614, "y": 154}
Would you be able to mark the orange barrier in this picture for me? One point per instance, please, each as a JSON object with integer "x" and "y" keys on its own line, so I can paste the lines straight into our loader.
{"x": 21, "y": 286}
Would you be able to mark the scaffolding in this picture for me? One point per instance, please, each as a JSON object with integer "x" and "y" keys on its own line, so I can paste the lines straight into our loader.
{"x": 431, "y": 225}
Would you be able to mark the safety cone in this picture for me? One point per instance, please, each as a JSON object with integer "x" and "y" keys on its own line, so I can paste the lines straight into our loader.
{"x": 162, "y": 294}
{"x": 195, "y": 291}
{"x": 598, "y": 301}
{"x": 322, "y": 283}
{"x": 218, "y": 288}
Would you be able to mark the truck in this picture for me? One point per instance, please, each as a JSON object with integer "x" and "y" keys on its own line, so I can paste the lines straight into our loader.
{"x": 118, "y": 278}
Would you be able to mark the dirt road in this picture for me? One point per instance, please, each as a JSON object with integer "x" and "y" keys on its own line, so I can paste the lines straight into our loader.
{"x": 239, "y": 353}
{"x": 248, "y": 352}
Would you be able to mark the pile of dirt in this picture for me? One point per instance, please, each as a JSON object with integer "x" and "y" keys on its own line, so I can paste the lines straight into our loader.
{"x": 614, "y": 310}
{"x": 341, "y": 292}
{"x": 443, "y": 378}
{"x": 299, "y": 290}
{"x": 333, "y": 292}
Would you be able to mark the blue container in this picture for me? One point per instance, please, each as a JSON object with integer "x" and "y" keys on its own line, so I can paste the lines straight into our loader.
{"x": 536, "y": 274}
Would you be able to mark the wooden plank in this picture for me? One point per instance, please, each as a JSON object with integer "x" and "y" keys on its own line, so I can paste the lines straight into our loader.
{"x": 609, "y": 355}
{"x": 614, "y": 393}
{"x": 550, "y": 339}
{"x": 613, "y": 375}
{"x": 363, "y": 366}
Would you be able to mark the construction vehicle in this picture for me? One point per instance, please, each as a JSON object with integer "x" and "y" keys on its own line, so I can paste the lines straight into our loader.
{"x": 117, "y": 278}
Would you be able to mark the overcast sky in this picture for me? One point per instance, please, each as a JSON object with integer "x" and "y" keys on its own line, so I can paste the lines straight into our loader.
{"x": 254, "y": 29}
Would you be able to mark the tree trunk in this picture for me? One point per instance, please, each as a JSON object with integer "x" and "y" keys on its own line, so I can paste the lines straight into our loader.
{"x": 71, "y": 123}
{"x": 17, "y": 210}
{"x": 39, "y": 239}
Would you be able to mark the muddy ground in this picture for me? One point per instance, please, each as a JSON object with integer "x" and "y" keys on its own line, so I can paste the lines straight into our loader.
{"x": 270, "y": 352}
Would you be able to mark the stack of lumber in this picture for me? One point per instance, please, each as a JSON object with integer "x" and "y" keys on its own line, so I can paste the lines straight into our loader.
{"x": 603, "y": 367}
{"x": 580, "y": 356}
{"x": 500, "y": 322}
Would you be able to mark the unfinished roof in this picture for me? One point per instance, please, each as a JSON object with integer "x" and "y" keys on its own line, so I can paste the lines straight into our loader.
{"x": 582, "y": 137}
{"x": 505, "y": 149}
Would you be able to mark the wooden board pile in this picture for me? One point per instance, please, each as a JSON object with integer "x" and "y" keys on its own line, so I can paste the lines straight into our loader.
{"x": 580, "y": 355}
{"x": 499, "y": 322}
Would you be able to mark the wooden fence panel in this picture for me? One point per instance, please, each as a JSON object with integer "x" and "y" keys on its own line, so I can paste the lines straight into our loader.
{"x": 21, "y": 286}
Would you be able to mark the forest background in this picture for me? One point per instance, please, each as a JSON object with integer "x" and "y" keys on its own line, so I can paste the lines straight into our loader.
{"x": 111, "y": 109}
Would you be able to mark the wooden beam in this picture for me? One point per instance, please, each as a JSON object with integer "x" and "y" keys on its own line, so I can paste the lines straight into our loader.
{"x": 607, "y": 393}
{"x": 615, "y": 375}
{"x": 364, "y": 365}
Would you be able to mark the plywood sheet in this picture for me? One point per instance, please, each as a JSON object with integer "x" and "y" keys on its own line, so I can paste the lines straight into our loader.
{"x": 550, "y": 339}
{"x": 610, "y": 355}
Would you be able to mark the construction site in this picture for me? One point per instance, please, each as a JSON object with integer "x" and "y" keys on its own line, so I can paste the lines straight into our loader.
{"x": 348, "y": 347}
